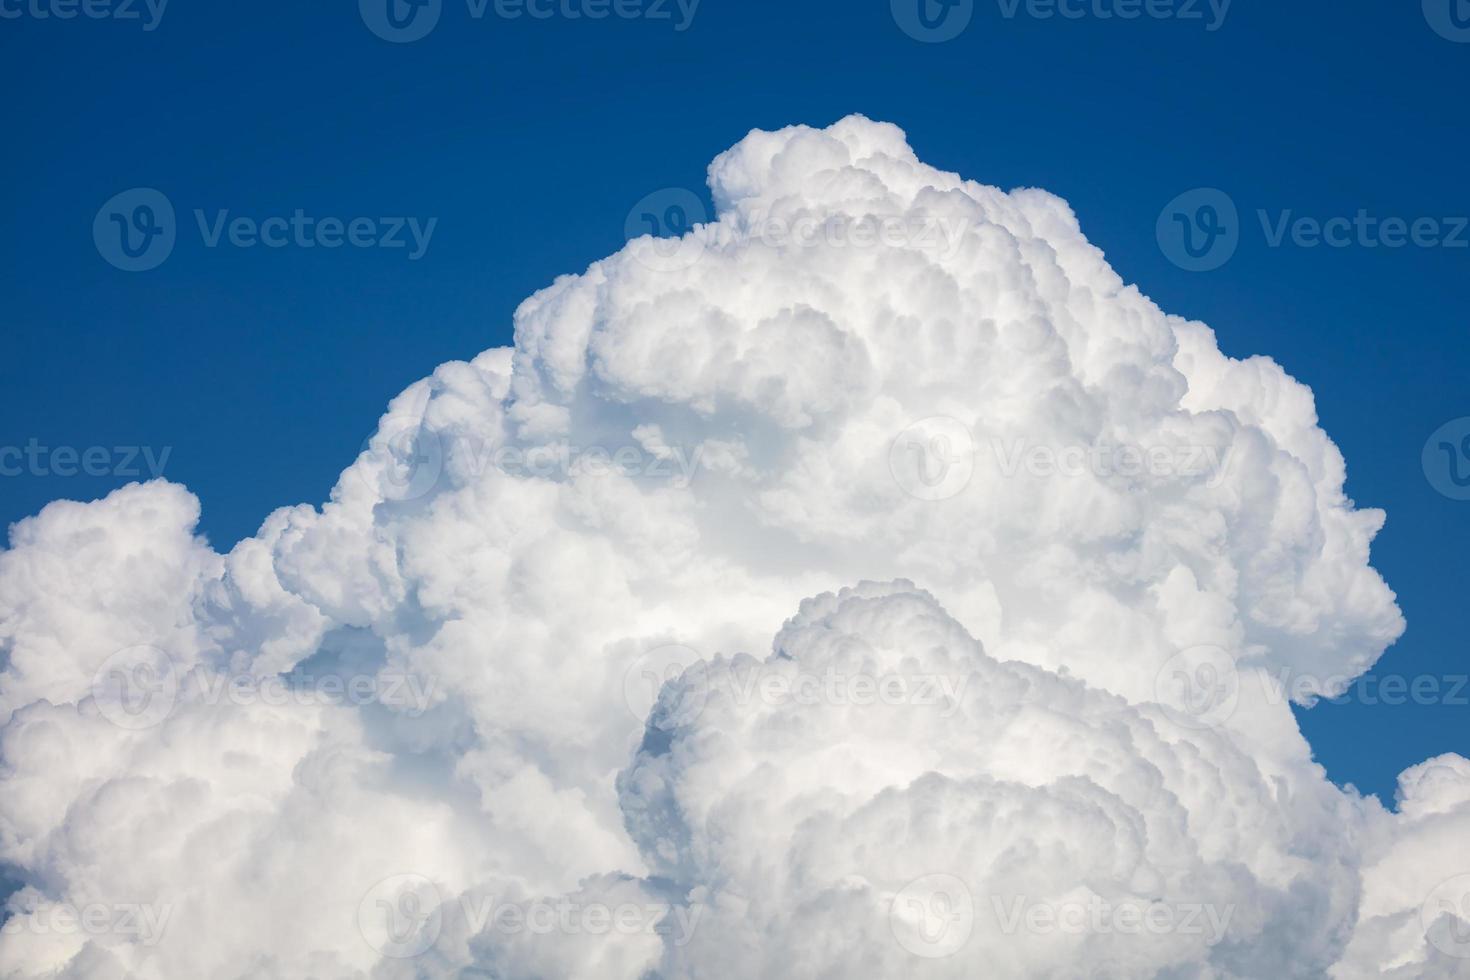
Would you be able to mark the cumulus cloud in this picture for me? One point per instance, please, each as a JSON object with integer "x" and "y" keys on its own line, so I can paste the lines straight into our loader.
{"x": 424, "y": 728}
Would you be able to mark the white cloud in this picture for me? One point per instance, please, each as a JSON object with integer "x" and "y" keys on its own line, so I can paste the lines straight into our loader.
{"x": 673, "y": 456}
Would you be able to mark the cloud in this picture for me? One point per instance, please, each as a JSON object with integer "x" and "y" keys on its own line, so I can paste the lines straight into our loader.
{"x": 1029, "y": 825}
{"x": 864, "y": 369}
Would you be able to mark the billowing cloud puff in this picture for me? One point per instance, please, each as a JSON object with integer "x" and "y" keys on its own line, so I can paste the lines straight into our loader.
{"x": 423, "y": 728}
{"x": 1415, "y": 884}
{"x": 880, "y": 778}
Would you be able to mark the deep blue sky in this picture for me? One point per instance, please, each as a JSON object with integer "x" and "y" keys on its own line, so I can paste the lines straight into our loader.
{"x": 264, "y": 369}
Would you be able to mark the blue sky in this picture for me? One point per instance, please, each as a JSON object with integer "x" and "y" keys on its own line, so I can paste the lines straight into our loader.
{"x": 259, "y": 371}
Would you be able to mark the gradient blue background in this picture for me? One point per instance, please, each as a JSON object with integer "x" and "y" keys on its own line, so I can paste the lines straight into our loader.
{"x": 264, "y": 369}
